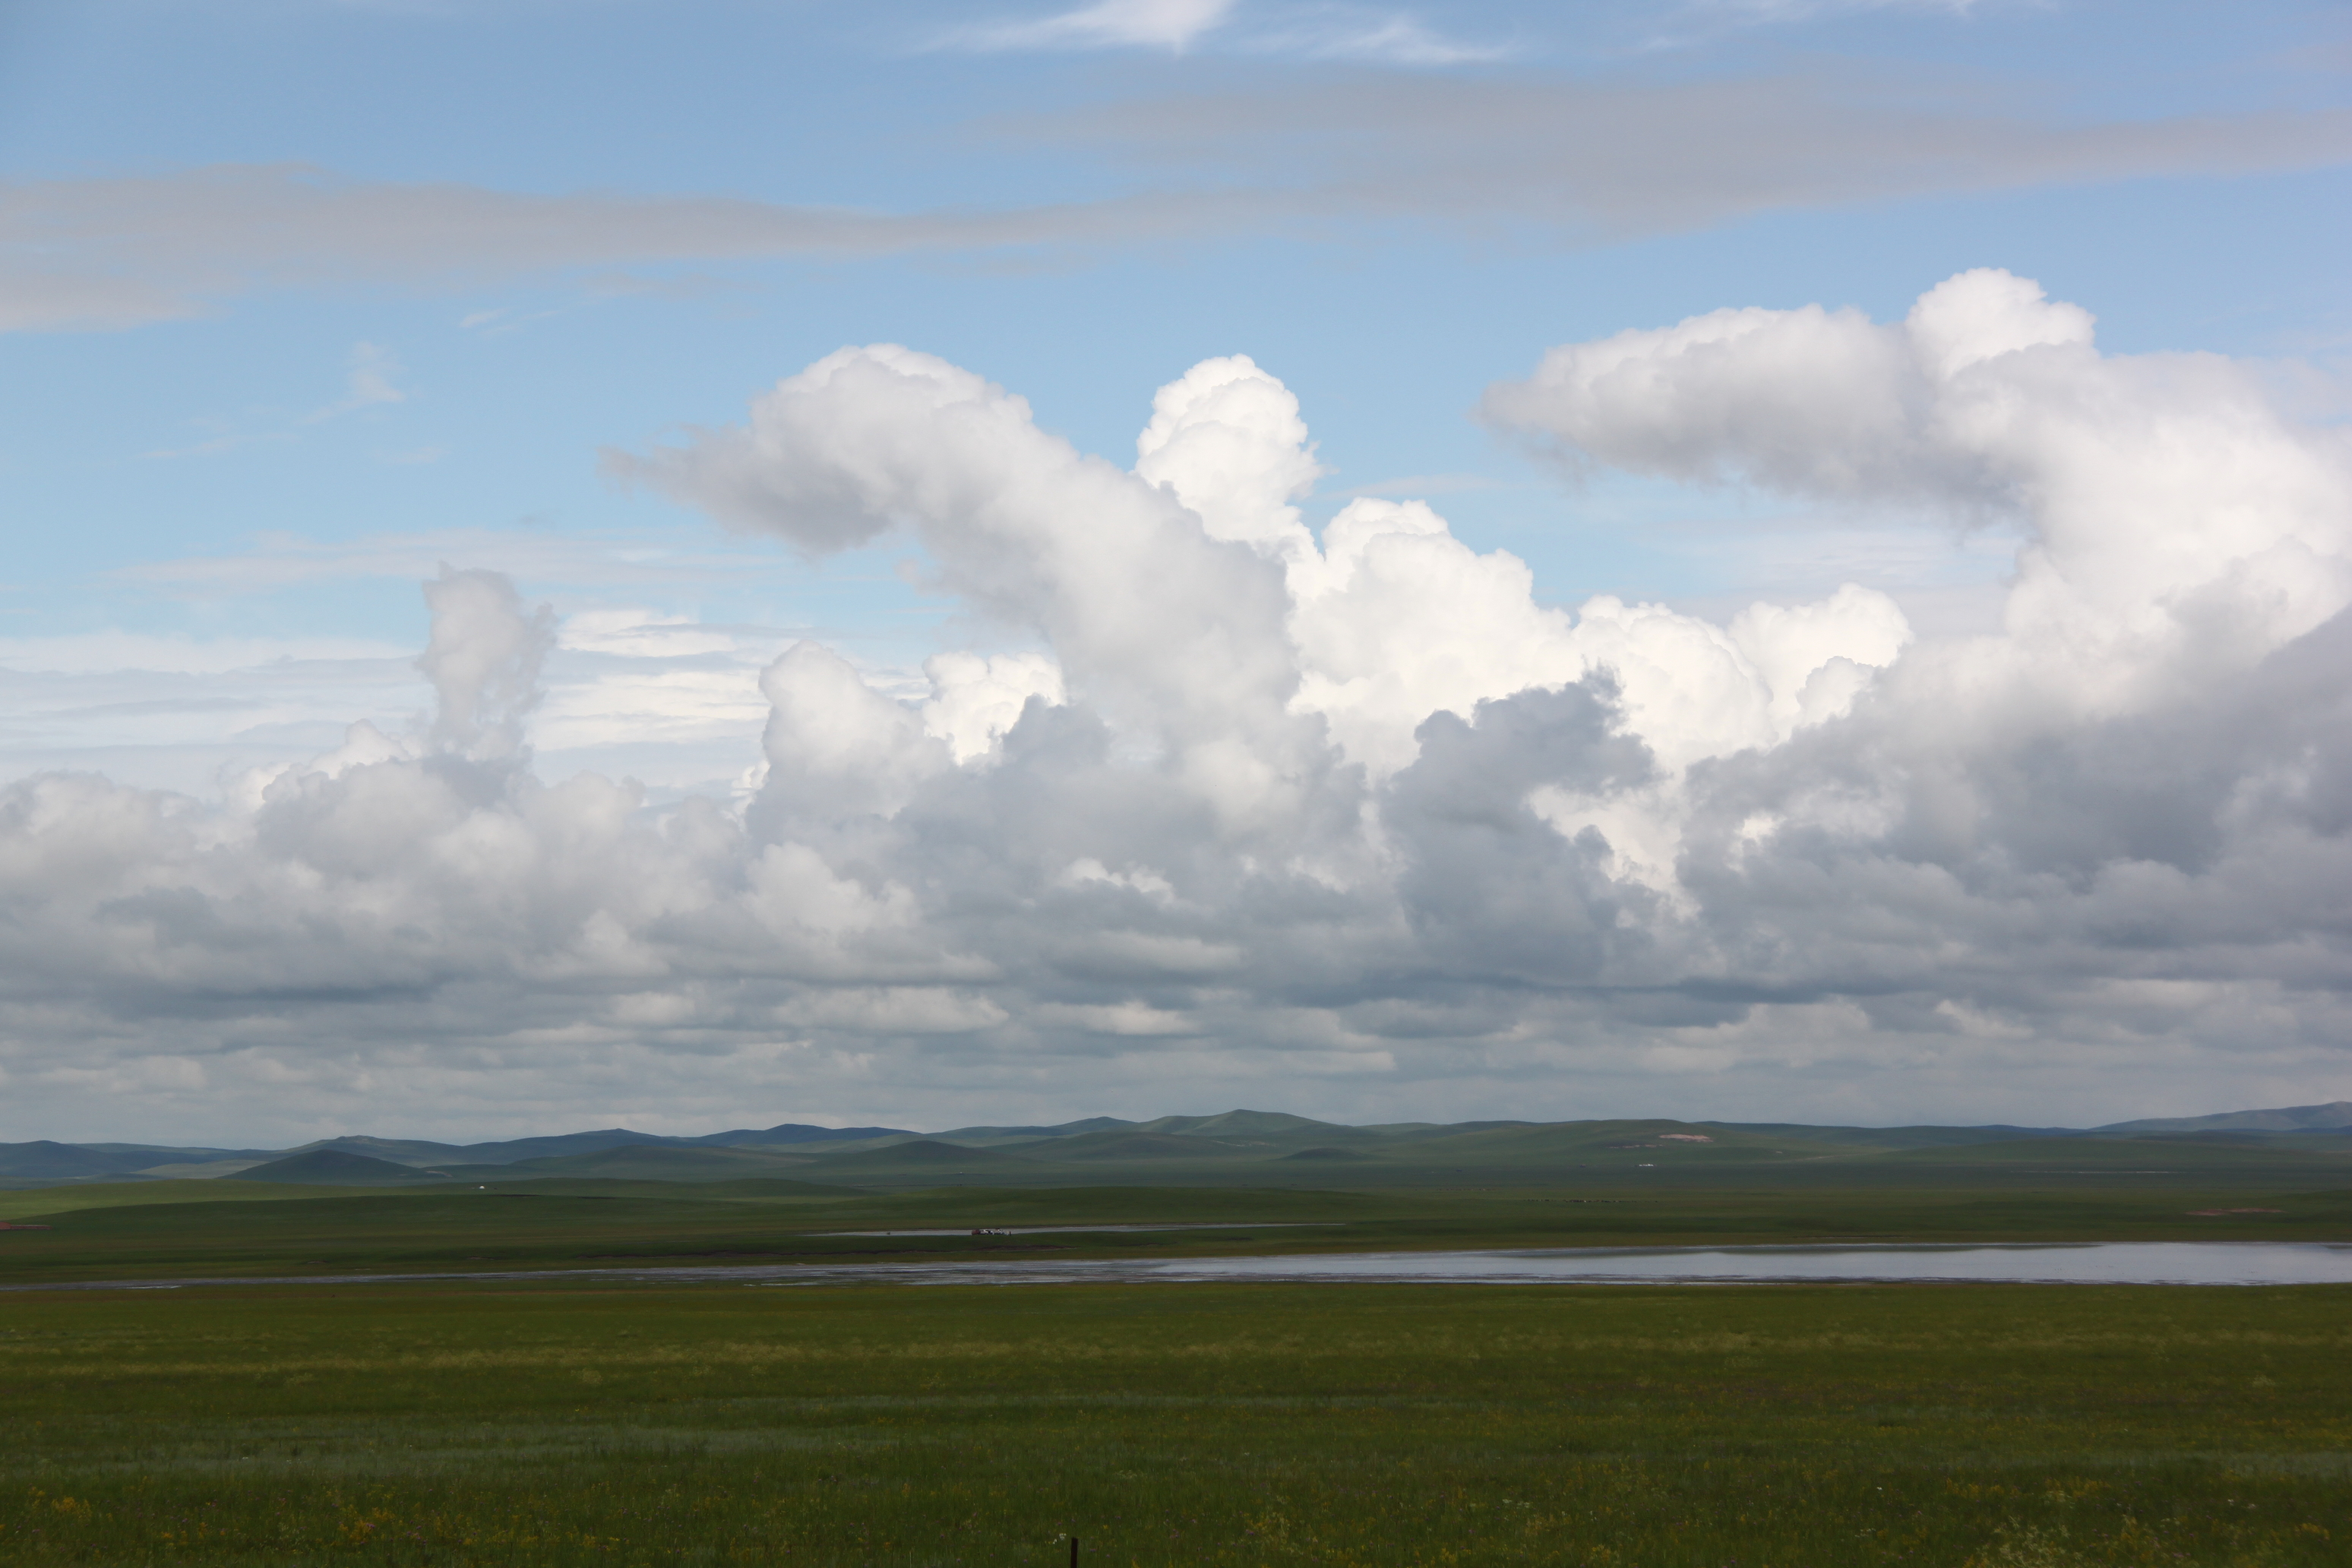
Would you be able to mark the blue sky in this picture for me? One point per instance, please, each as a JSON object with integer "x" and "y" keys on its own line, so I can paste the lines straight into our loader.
{"x": 303, "y": 299}
{"x": 1385, "y": 312}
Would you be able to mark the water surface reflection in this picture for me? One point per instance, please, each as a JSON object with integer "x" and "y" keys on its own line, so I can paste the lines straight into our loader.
{"x": 2055, "y": 1263}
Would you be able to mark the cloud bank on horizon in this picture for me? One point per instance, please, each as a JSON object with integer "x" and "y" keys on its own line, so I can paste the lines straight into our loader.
{"x": 1248, "y": 805}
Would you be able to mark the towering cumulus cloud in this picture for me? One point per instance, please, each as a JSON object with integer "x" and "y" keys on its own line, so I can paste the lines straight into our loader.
{"x": 1258, "y": 808}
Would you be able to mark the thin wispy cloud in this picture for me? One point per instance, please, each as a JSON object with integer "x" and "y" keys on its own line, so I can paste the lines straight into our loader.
{"x": 274, "y": 562}
{"x": 1568, "y": 162}
{"x": 1174, "y": 25}
{"x": 1323, "y": 32}
{"x": 1345, "y": 34}
{"x": 368, "y": 384}
{"x": 1704, "y": 21}
{"x": 1597, "y": 160}
{"x": 117, "y": 251}
{"x": 1766, "y": 12}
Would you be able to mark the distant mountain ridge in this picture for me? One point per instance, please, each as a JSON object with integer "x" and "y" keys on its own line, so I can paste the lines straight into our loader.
{"x": 514, "y": 1150}
{"x": 798, "y": 1150}
{"x": 2336, "y": 1116}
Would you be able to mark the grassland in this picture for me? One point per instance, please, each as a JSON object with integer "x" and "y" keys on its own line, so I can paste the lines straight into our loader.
{"x": 553, "y": 1422}
{"x": 594, "y": 1224}
{"x": 2000, "y": 1427}
{"x": 110, "y": 1233}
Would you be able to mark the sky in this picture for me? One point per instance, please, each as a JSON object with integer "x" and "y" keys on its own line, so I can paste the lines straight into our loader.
{"x": 694, "y": 565}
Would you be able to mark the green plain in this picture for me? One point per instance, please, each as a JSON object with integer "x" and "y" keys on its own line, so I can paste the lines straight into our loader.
{"x": 110, "y": 1233}
{"x": 554, "y": 1420}
{"x": 1175, "y": 1425}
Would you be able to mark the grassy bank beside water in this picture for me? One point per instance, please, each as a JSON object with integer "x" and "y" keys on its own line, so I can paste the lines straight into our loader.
{"x": 167, "y": 1229}
{"x": 1999, "y": 1426}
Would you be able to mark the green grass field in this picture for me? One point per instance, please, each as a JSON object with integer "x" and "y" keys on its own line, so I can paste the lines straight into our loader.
{"x": 553, "y": 1421}
{"x": 1999, "y": 1426}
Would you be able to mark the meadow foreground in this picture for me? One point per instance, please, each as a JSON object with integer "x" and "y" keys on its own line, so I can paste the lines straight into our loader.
{"x": 1173, "y": 1424}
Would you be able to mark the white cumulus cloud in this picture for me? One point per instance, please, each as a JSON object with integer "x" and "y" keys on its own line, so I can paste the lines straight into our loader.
{"x": 1248, "y": 804}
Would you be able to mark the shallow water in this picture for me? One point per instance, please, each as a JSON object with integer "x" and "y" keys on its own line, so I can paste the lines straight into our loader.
{"x": 1094, "y": 1229}
{"x": 2054, "y": 1263}
{"x": 2085, "y": 1263}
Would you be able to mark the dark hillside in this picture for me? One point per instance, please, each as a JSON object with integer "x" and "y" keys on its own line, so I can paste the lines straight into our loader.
{"x": 643, "y": 1163}
{"x": 792, "y": 1134}
{"x": 2334, "y": 1116}
{"x": 337, "y": 1168}
{"x": 1134, "y": 1146}
{"x": 43, "y": 1158}
{"x": 1244, "y": 1124}
{"x": 926, "y": 1160}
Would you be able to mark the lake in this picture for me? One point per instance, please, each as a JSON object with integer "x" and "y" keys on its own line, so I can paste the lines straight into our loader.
{"x": 2051, "y": 1263}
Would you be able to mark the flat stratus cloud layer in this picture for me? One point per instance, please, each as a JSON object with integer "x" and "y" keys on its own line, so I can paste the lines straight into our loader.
{"x": 1269, "y": 815}
{"x": 1575, "y": 162}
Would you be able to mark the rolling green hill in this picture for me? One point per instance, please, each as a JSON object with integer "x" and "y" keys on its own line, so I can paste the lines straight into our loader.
{"x": 339, "y": 1168}
{"x": 924, "y": 1163}
{"x": 1139, "y": 1146}
{"x": 643, "y": 1163}
{"x": 1274, "y": 1148}
{"x": 2336, "y": 1116}
{"x": 1248, "y": 1124}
